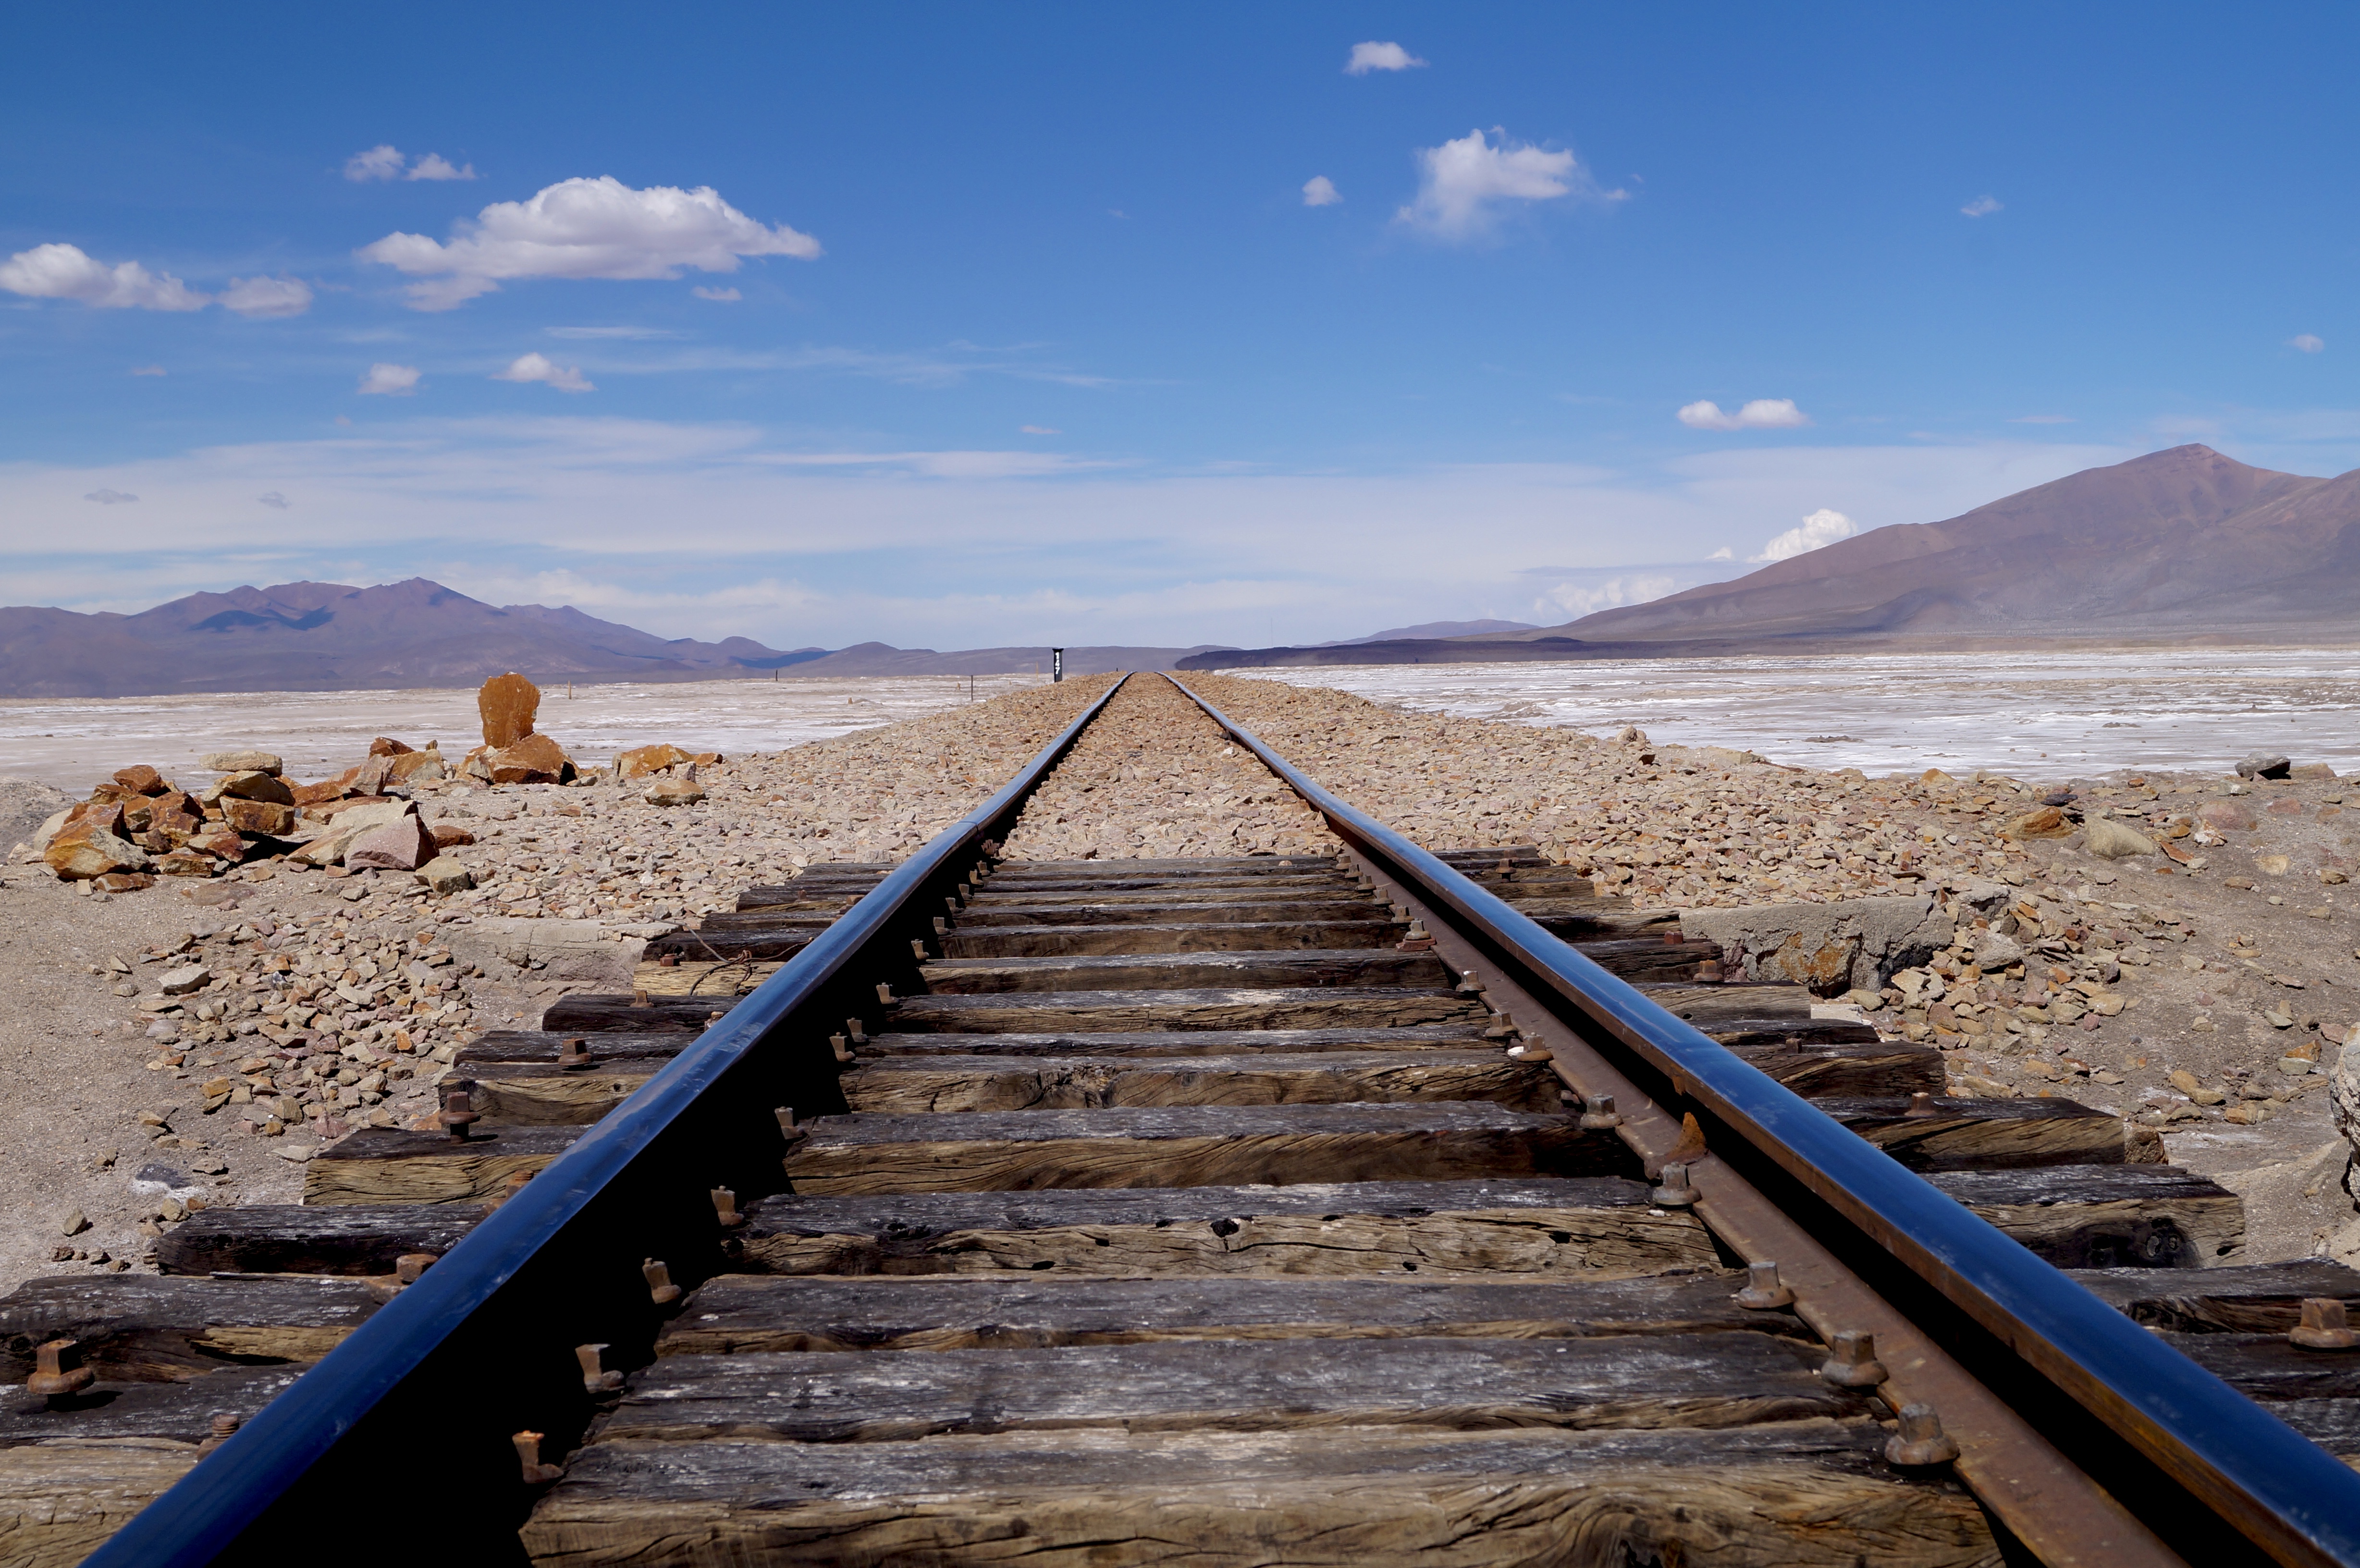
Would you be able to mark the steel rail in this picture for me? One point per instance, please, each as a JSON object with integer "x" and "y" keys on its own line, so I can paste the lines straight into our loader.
{"x": 2266, "y": 1483}
{"x": 246, "y": 1501}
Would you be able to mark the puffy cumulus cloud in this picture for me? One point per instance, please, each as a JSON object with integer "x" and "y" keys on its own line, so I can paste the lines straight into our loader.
{"x": 389, "y": 381}
{"x": 1723, "y": 553}
{"x": 1373, "y": 56}
{"x": 258, "y": 297}
{"x": 274, "y": 500}
{"x": 385, "y": 162}
{"x": 1981, "y": 207}
{"x": 541, "y": 367}
{"x": 106, "y": 497}
{"x": 2308, "y": 342}
{"x": 1463, "y": 184}
{"x": 63, "y": 272}
{"x": 585, "y": 228}
{"x": 719, "y": 296}
{"x": 1821, "y": 528}
{"x": 1762, "y": 414}
{"x": 1320, "y": 191}
{"x": 1575, "y": 600}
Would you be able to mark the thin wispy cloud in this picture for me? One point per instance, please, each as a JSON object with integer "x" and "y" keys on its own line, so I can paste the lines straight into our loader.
{"x": 274, "y": 500}
{"x": 2042, "y": 420}
{"x": 386, "y": 161}
{"x": 146, "y": 370}
{"x": 528, "y": 367}
{"x": 255, "y": 298}
{"x": 583, "y": 229}
{"x": 389, "y": 381}
{"x": 1368, "y": 57}
{"x": 719, "y": 296}
{"x": 1039, "y": 431}
{"x": 627, "y": 333}
{"x": 1983, "y": 207}
{"x": 105, "y": 497}
{"x": 1464, "y": 185}
{"x": 1761, "y": 414}
{"x": 1320, "y": 191}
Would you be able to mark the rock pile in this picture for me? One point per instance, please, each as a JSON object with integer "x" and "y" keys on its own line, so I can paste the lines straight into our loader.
{"x": 513, "y": 752}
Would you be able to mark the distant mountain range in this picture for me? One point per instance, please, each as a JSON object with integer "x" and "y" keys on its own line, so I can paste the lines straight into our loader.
{"x": 2173, "y": 545}
{"x": 331, "y": 637}
{"x": 328, "y": 636}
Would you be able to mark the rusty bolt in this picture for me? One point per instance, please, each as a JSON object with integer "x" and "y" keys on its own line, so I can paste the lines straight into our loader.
{"x": 1470, "y": 983}
{"x": 1673, "y": 1190}
{"x": 667, "y": 961}
{"x": 1601, "y": 1113}
{"x": 410, "y": 1265}
{"x": 1532, "y": 1054}
{"x": 640, "y": 998}
{"x": 596, "y": 1379}
{"x": 841, "y": 1047}
{"x": 659, "y": 1286}
{"x": 2323, "y": 1325}
{"x": 787, "y": 1124}
{"x": 918, "y": 950}
{"x": 225, "y": 1423}
{"x": 52, "y": 1378}
{"x": 952, "y": 905}
{"x": 1921, "y": 1441}
{"x": 574, "y": 1054}
{"x": 1763, "y": 1291}
{"x": 725, "y": 1205}
{"x": 536, "y": 1474}
{"x": 1708, "y": 972}
{"x": 458, "y": 1113}
{"x": 941, "y": 926}
{"x": 855, "y": 1032}
{"x": 1921, "y": 1104}
{"x": 885, "y": 993}
{"x": 1851, "y": 1361}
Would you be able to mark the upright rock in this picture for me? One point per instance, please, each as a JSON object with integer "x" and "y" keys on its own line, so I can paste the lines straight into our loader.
{"x": 508, "y": 703}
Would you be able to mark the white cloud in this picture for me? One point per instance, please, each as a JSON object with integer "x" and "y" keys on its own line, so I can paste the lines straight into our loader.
{"x": 1981, "y": 207}
{"x": 63, "y": 272}
{"x": 389, "y": 381}
{"x": 1039, "y": 431}
{"x": 1372, "y": 56}
{"x": 106, "y": 497}
{"x": 253, "y": 296}
{"x": 2306, "y": 341}
{"x": 273, "y": 499}
{"x": 719, "y": 296}
{"x": 1320, "y": 191}
{"x": 1762, "y": 414}
{"x": 1723, "y": 553}
{"x": 538, "y": 368}
{"x": 1575, "y": 600}
{"x": 385, "y": 162}
{"x": 435, "y": 166}
{"x": 146, "y": 370}
{"x": 585, "y": 228}
{"x": 1823, "y": 527}
{"x": 1463, "y": 183}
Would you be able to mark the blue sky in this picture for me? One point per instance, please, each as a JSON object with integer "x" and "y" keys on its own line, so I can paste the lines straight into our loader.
{"x": 1040, "y": 331}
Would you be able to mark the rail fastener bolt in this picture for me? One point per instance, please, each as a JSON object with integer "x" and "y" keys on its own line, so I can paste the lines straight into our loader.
{"x": 1921, "y": 1443}
{"x": 918, "y": 950}
{"x": 1600, "y": 1114}
{"x": 841, "y": 1048}
{"x": 1532, "y": 1054}
{"x": 574, "y": 1054}
{"x": 1470, "y": 983}
{"x": 855, "y": 1033}
{"x": 1852, "y": 1360}
{"x": 941, "y": 926}
{"x": 458, "y": 1113}
{"x": 1763, "y": 1292}
{"x": 1673, "y": 1190}
{"x": 725, "y": 1206}
{"x": 595, "y": 1378}
{"x": 536, "y": 1474}
{"x": 661, "y": 1290}
{"x": 2323, "y": 1326}
{"x": 223, "y": 1427}
{"x": 52, "y": 1378}
{"x": 667, "y": 961}
{"x": 1417, "y": 939}
{"x": 1921, "y": 1105}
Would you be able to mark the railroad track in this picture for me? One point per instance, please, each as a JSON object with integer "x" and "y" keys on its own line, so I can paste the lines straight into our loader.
{"x": 1384, "y": 1206}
